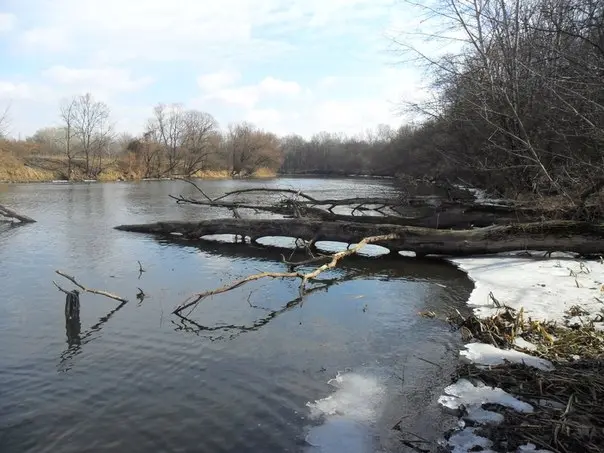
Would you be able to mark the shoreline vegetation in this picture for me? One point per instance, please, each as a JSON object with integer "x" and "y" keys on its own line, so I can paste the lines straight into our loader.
{"x": 531, "y": 374}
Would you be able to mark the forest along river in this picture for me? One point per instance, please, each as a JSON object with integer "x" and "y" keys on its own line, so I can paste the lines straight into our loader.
{"x": 333, "y": 374}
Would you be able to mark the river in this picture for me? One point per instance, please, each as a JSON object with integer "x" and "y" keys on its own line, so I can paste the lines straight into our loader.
{"x": 334, "y": 373}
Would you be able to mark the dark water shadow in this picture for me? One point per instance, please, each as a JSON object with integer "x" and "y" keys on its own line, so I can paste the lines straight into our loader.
{"x": 394, "y": 266}
{"x": 76, "y": 339}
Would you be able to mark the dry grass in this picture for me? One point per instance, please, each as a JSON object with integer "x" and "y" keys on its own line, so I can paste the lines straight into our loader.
{"x": 570, "y": 417}
{"x": 212, "y": 174}
{"x": 13, "y": 169}
{"x": 264, "y": 173}
{"x": 573, "y": 418}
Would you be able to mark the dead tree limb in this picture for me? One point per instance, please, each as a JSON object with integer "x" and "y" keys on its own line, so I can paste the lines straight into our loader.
{"x": 580, "y": 237}
{"x": 88, "y": 290}
{"x": 305, "y": 278}
{"x": 9, "y": 213}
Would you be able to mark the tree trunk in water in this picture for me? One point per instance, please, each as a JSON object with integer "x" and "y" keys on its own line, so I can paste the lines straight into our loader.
{"x": 569, "y": 236}
{"x": 9, "y": 213}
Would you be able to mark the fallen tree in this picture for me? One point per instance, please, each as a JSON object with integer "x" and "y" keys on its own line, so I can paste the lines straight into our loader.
{"x": 10, "y": 214}
{"x": 580, "y": 237}
{"x": 455, "y": 211}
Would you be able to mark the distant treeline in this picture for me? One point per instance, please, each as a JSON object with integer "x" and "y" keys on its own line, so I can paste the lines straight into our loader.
{"x": 519, "y": 108}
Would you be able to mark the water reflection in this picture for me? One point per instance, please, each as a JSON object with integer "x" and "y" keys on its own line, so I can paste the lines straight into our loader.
{"x": 231, "y": 331}
{"x": 233, "y": 377}
{"x": 76, "y": 339}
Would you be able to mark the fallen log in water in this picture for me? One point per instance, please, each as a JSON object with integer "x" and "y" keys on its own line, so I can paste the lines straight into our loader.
{"x": 9, "y": 213}
{"x": 570, "y": 236}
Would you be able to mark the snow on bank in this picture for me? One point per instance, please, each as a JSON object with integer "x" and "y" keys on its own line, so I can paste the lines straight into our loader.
{"x": 348, "y": 415}
{"x": 488, "y": 355}
{"x": 546, "y": 290}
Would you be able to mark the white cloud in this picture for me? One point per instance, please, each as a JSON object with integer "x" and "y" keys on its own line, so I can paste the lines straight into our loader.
{"x": 241, "y": 50}
{"x": 248, "y": 96}
{"x": 270, "y": 85}
{"x": 109, "y": 80}
{"x": 12, "y": 91}
{"x": 45, "y": 39}
{"x": 7, "y": 22}
{"x": 217, "y": 80}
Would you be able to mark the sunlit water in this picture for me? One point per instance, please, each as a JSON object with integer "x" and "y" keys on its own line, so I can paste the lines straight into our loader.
{"x": 254, "y": 370}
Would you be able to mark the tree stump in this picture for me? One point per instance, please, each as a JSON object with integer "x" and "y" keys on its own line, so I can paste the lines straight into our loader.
{"x": 72, "y": 305}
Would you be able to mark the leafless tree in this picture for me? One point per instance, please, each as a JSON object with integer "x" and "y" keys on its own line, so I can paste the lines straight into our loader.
{"x": 251, "y": 149}
{"x": 67, "y": 114}
{"x": 522, "y": 99}
{"x": 199, "y": 140}
{"x": 168, "y": 128}
{"x": 4, "y": 121}
{"x": 87, "y": 121}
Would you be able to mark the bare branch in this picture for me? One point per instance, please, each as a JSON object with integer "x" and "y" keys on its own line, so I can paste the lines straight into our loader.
{"x": 90, "y": 290}
{"x": 305, "y": 278}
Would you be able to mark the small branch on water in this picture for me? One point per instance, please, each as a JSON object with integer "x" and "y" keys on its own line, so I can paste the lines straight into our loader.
{"x": 140, "y": 270}
{"x": 88, "y": 290}
{"x": 61, "y": 289}
{"x": 193, "y": 300}
{"x": 9, "y": 213}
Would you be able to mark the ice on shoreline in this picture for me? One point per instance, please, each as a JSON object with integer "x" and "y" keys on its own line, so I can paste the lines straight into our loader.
{"x": 347, "y": 415}
{"x": 546, "y": 289}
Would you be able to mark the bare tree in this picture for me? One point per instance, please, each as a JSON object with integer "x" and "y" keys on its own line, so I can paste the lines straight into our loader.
{"x": 67, "y": 114}
{"x": 251, "y": 149}
{"x": 86, "y": 120}
{"x": 4, "y": 121}
{"x": 168, "y": 128}
{"x": 521, "y": 100}
{"x": 199, "y": 130}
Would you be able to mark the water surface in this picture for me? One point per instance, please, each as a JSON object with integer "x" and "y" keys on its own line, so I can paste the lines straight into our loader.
{"x": 253, "y": 370}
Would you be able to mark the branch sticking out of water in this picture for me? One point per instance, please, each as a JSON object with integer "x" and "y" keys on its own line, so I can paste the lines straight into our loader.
{"x": 193, "y": 300}
{"x": 88, "y": 290}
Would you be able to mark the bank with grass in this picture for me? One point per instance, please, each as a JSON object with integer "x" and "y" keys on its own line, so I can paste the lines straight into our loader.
{"x": 53, "y": 169}
{"x": 531, "y": 374}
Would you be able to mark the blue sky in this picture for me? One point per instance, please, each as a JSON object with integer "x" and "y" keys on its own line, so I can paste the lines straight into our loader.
{"x": 284, "y": 65}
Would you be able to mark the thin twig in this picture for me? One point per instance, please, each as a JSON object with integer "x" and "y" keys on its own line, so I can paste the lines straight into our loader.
{"x": 90, "y": 290}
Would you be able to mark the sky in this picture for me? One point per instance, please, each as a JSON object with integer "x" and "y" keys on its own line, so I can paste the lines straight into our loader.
{"x": 288, "y": 66}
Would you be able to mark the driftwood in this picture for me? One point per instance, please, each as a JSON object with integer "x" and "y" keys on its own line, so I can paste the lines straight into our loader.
{"x": 419, "y": 211}
{"x": 10, "y": 214}
{"x": 304, "y": 277}
{"x": 88, "y": 290}
{"x": 580, "y": 237}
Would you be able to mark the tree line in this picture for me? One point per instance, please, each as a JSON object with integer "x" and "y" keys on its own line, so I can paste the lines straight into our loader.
{"x": 518, "y": 108}
{"x": 177, "y": 141}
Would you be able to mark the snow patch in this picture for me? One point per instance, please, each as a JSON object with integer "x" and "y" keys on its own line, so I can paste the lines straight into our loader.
{"x": 546, "y": 289}
{"x": 473, "y": 396}
{"x": 489, "y": 355}
{"x": 348, "y": 415}
{"x": 467, "y": 440}
{"x": 531, "y": 448}
{"x": 523, "y": 344}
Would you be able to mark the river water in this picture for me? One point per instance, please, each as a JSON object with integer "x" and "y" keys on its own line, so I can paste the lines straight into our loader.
{"x": 253, "y": 370}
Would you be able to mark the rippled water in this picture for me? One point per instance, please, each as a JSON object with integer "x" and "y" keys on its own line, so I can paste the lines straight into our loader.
{"x": 333, "y": 373}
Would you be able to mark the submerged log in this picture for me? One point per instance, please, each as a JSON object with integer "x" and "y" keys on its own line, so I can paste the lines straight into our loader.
{"x": 10, "y": 214}
{"x": 580, "y": 237}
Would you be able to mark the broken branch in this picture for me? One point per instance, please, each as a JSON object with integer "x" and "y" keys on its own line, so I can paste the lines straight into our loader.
{"x": 89, "y": 290}
{"x": 9, "y": 213}
{"x": 196, "y": 298}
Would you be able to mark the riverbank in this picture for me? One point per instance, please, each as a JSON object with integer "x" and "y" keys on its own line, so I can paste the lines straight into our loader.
{"x": 531, "y": 374}
{"x": 26, "y": 174}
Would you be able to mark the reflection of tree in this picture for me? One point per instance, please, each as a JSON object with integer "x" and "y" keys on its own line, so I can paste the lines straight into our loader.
{"x": 231, "y": 331}
{"x": 75, "y": 339}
